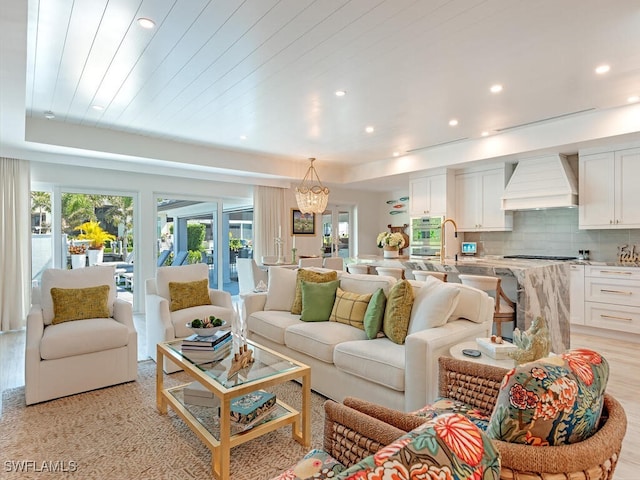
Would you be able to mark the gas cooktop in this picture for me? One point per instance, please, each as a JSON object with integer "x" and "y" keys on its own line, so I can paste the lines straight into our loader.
{"x": 540, "y": 257}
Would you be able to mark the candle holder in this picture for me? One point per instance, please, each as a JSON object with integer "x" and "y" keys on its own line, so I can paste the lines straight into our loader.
{"x": 279, "y": 243}
{"x": 293, "y": 254}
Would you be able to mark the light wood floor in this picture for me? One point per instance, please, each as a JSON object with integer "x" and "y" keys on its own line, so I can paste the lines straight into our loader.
{"x": 624, "y": 382}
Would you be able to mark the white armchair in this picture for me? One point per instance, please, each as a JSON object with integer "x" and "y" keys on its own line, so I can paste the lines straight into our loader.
{"x": 164, "y": 325}
{"x": 77, "y": 356}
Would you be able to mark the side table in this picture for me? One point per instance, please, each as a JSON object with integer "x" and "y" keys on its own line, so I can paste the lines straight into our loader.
{"x": 456, "y": 352}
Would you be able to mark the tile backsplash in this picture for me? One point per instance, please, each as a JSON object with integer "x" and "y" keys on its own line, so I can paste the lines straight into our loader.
{"x": 553, "y": 232}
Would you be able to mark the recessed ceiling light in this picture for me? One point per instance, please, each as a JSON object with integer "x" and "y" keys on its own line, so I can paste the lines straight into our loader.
{"x": 602, "y": 69}
{"x": 146, "y": 23}
{"x": 49, "y": 115}
{"x": 633, "y": 99}
{"x": 369, "y": 129}
{"x": 453, "y": 122}
{"x": 97, "y": 107}
{"x": 340, "y": 93}
{"x": 396, "y": 154}
{"x": 497, "y": 88}
{"x": 243, "y": 137}
{"x": 485, "y": 134}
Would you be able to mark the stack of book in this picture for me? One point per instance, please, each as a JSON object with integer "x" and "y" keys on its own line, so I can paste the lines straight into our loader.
{"x": 210, "y": 348}
{"x": 251, "y": 409}
{"x": 497, "y": 351}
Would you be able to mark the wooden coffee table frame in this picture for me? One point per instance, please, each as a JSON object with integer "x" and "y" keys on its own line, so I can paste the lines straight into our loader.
{"x": 221, "y": 448}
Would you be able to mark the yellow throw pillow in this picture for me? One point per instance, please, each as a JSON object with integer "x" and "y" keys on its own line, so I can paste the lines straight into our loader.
{"x": 80, "y": 303}
{"x": 189, "y": 294}
{"x": 313, "y": 277}
{"x": 350, "y": 308}
{"x": 397, "y": 313}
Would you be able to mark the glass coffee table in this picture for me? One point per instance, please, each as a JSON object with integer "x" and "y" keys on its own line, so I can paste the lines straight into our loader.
{"x": 213, "y": 426}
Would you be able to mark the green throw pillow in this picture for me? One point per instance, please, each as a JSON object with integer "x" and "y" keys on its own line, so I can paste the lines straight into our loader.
{"x": 317, "y": 300}
{"x": 80, "y": 303}
{"x": 309, "y": 276}
{"x": 375, "y": 314}
{"x": 398, "y": 312}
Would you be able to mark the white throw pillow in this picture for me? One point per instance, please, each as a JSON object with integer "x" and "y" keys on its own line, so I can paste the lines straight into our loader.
{"x": 362, "y": 284}
{"x": 282, "y": 288}
{"x": 434, "y": 301}
{"x": 77, "y": 278}
{"x": 181, "y": 274}
{"x": 472, "y": 304}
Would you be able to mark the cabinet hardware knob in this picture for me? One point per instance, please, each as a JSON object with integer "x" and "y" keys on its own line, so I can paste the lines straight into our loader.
{"x": 613, "y": 317}
{"x": 615, "y": 272}
{"x": 618, "y": 292}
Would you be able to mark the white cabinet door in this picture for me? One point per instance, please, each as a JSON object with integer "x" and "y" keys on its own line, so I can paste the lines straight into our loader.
{"x": 576, "y": 294}
{"x": 428, "y": 196}
{"x": 418, "y": 197}
{"x": 597, "y": 190}
{"x": 627, "y": 200}
{"x": 467, "y": 202}
{"x": 492, "y": 217}
{"x": 478, "y": 201}
{"x": 609, "y": 193}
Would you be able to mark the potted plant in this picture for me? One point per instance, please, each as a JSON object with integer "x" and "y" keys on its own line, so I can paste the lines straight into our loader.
{"x": 78, "y": 256}
{"x": 390, "y": 243}
{"x": 97, "y": 237}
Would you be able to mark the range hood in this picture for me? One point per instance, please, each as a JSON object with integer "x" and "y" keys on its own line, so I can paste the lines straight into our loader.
{"x": 544, "y": 182}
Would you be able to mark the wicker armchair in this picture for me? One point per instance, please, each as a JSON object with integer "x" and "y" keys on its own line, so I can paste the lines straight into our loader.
{"x": 357, "y": 429}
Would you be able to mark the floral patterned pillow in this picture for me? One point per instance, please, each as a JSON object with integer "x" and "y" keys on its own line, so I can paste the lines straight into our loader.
{"x": 553, "y": 401}
{"x": 316, "y": 465}
{"x": 447, "y": 405}
{"x": 446, "y": 447}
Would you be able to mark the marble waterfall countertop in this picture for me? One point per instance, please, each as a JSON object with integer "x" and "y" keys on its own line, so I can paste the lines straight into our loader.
{"x": 541, "y": 286}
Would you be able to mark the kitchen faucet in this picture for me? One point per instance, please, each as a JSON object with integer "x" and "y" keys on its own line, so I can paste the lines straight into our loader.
{"x": 443, "y": 237}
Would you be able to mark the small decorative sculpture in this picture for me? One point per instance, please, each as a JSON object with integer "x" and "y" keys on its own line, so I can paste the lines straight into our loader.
{"x": 242, "y": 359}
{"x": 533, "y": 343}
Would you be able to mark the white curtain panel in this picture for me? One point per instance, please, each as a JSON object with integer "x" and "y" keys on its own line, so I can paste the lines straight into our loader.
{"x": 268, "y": 218}
{"x": 15, "y": 243}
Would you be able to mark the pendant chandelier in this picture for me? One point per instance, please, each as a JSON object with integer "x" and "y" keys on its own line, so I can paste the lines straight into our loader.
{"x": 312, "y": 196}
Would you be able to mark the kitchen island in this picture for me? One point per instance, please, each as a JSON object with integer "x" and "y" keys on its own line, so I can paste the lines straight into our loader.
{"x": 540, "y": 287}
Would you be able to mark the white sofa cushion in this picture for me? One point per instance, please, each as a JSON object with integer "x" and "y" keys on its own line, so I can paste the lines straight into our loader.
{"x": 472, "y": 304}
{"x": 271, "y": 324}
{"x": 318, "y": 339}
{"x": 78, "y": 278}
{"x": 434, "y": 302}
{"x": 380, "y": 361}
{"x": 88, "y": 336}
{"x": 182, "y": 274}
{"x": 362, "y": 283}
{"x": 281, "y": 291}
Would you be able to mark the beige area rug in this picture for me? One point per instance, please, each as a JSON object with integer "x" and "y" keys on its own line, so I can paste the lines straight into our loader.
{"x": 117, "y": 433}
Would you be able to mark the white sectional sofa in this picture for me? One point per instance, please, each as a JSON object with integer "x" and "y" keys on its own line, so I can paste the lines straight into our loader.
{"x": 344, "y": 362}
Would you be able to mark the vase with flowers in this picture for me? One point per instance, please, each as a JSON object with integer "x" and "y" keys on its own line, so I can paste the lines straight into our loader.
{"x": 78, "y": 256}
{"x": 390, "y": 243}
{"x": 97, "y": 237}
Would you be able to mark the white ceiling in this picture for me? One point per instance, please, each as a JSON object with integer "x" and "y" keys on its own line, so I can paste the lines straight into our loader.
{"x": 183, "y": 94}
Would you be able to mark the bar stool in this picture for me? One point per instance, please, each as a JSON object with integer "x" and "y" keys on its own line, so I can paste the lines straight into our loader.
{"x": 422, "y": 275}
{"x": 505, "y": 308}
{"x": 391, "y": 272}
{"x": 358, "y": 268}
